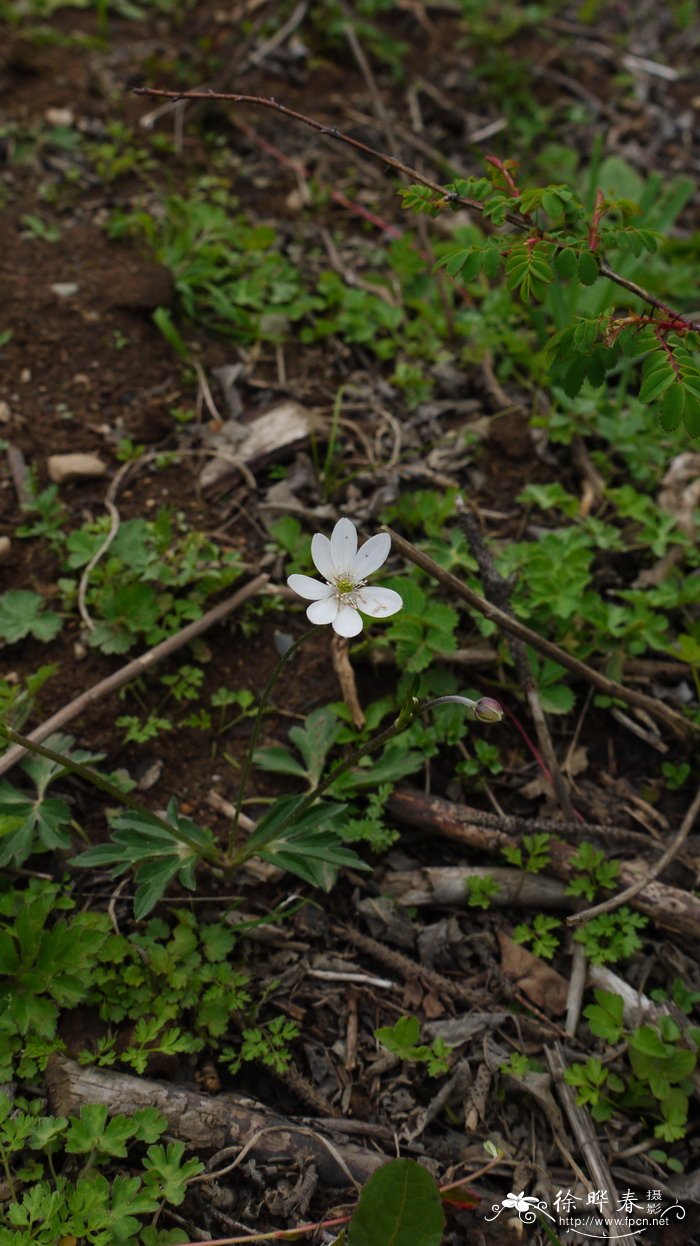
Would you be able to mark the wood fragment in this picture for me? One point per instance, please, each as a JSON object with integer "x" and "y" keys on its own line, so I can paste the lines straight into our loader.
{"x": 669, "y": 907}
{"x": 449, "y": 885}
{"x": 19, "y": 471}
{"x": 346, "y": 678}
{"x": 584, "y": 1132}
{"x": 205, "y": 1122}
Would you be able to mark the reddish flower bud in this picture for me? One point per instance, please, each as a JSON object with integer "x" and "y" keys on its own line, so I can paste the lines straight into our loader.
{"x": 488, "y": 711}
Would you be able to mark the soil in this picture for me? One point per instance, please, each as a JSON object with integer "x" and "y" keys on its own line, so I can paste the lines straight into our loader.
{"x": 85, "y": 370}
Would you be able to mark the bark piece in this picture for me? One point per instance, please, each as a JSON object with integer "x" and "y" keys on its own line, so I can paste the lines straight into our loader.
{"x": 448, "y": 884}
{"x": 64, "y": 467}
{"x": 669, "y": 907}
{"x": 280, "y": 431}
{"x": 206, "y": 1122}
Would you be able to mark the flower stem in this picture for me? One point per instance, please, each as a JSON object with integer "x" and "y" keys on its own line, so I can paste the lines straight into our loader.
{"x": 233, "y": 833}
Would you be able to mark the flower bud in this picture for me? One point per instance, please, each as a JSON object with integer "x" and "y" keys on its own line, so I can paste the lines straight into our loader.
{"x": 488, "y": 711}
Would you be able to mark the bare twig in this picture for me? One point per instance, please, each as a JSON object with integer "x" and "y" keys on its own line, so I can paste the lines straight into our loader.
{"x": 670, "y": 907}
{"x": 346, "y": 678}
{"x": 98, "y": 554}
{"x": 19, "y": 472}
{"x": 133, "y": 669}
{"x": 583, "y": 1131}
{"x": 680, "y": 726}
{"x": 607, "y": 906}
{"x": 498, "y": 591}
{"x": 515, "y": 219}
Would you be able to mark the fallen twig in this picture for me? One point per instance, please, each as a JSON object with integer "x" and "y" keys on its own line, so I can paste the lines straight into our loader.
{"x": 134, "y": 669}
{"x": 680, "y": 726}
{"x": 498, "y": 591}
{"x": 207, "y": 1122}
{"x": 584, "y": 1132}
{"x": 448, "y": 885}
{"x": 669, "y": 907}
{"x": 607, "y": 906}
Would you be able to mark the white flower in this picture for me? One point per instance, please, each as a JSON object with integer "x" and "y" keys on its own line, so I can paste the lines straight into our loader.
{"x": 345, "y": 569}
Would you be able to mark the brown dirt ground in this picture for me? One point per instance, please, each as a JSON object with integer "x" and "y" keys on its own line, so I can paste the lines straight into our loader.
{"x": 68, "y": 388}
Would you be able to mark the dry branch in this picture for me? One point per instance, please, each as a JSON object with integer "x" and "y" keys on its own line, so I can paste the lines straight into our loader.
{"x": 133, "y": 670}
{"x": 448, "y": 885}
{"x": 207, "y": 1122}
{"x": 680, "y": 726}
{"x": 669, "y": 907}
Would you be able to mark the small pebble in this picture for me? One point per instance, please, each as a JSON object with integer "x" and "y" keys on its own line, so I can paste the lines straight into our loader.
{"x": 79, "y": 651}
{"x": 63, "y": 467}
{"x": 4, "y": 412}
{"x": 59, "y": 116}
{"x": 25, "y": 376}
{"x": 4, "y": 548}
{"x": 65, "y": 289}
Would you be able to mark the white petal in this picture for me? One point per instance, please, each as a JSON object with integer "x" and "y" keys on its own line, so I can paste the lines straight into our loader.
{"x": 370, "y": 558}
{"x": 379, "y": 602}
{"x": 322, "y": 611}
{"x": 348, "y": 622}
{"x": 312, "y": 590}
{"x": 321, "y": 554}
{"x": 343, "y": 544}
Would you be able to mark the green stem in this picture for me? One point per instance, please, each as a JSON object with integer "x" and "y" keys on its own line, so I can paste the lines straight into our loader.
{"x": 97, "y": 780}
{"x": 233, "y": 833}
{"x": 8, "y": 1174}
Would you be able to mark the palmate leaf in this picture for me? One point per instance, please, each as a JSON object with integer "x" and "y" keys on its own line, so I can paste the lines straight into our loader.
{"x": 310, "y": 847}
{"x": 315, "y": 740}
{"x": 23, "y": 613}
{"x": 39, "y": 823}
{"x": 27, "y": 825}
{"x": 315, "y": 860}
{"x": 156, "y": 853}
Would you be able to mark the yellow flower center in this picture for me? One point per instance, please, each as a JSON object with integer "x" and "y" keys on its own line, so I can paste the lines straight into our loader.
{"x": 344, "y": 585}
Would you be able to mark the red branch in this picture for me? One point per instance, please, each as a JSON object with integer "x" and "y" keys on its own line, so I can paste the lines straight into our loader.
{"x": 519, "y": 221}
{"x": 598, "y": 212}
{"x": 505, "y": 173}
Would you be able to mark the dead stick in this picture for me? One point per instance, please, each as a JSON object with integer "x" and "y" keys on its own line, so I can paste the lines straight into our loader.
{"x": 681, "y": 727}
{"x": 670, "y": 907}
{"x": 133, "y": 669}
{"x": 209, "y": 1122}
{"x": 449, "y": 884}
{"x": 519, "y": 221}
{"x": 584, "y": 1132}
{"x": 498, "y": 590}
{"x": 653, "y": 872}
